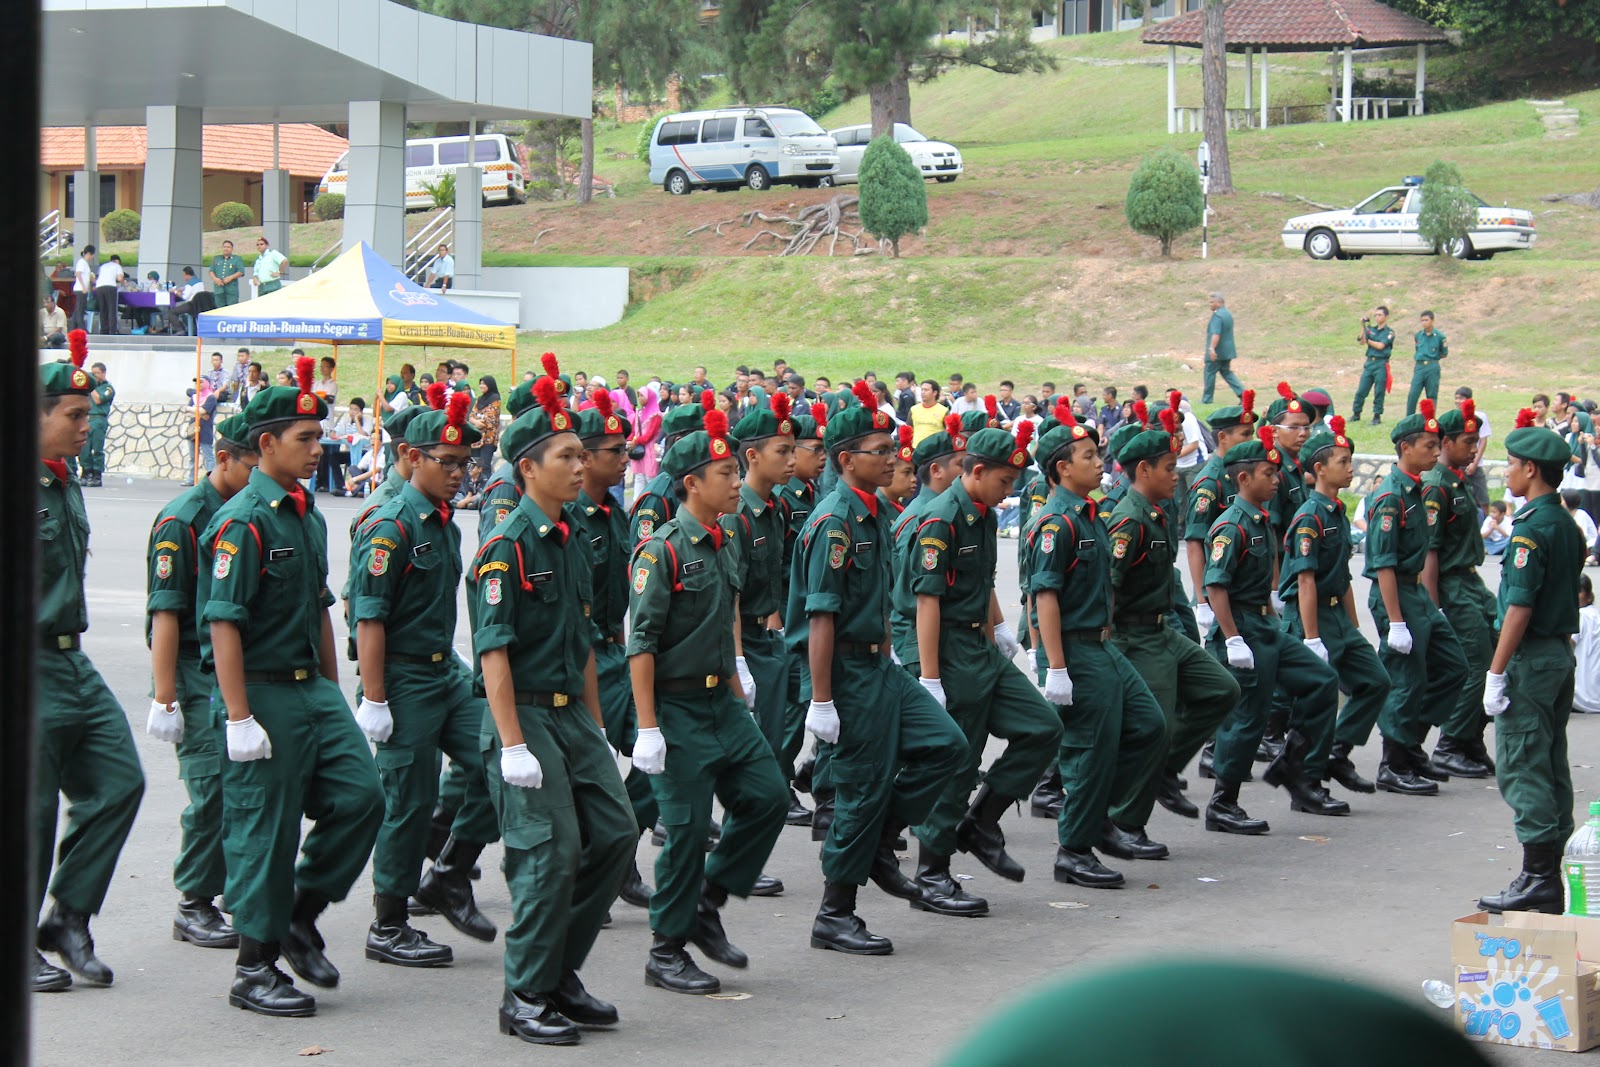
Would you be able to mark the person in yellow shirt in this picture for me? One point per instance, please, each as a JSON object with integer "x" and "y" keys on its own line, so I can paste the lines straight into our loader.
{"x": 927, "y": 417}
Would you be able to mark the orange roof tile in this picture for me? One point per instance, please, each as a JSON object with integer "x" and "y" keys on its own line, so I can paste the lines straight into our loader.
{"x": 304, "y": 150}
{"x": 1295, "y": 25}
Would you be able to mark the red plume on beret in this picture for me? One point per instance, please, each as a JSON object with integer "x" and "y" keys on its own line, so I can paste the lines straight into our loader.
{"x": 551, "y": 367}
{"x": 1469, "y": 410}
{"x": 303, "y": 369}
{"x": 1174, "y": 398}
{"x": 544, "y": 391}
{"x": 78, "y": 346}
{"x": 603, "y": 404}
{"x": 457, "y": 414}
{"x": 708, "y": 400}
{"x": 717, "y": 423}
{"x": 952, "y": 425}
{"x": 1526, "y": 418}
{"x": 1169, "y": 420}
{"x": 1142, "y": 413}
{"x": 992, "y": 406}
{"x": 1336, "y": 424}
{"x": 1268, "y": 436}
{"x": 780, "y": 405}
{"x": 819, "y": 414}
{"x": 436, "y": 395}
{"x": 904, "y": 435}
{"x": 1426, "y": 409}
{"x": 864, "y": 393}
{"x": 1247, "y": 401}
{"x": 1064, "y": 412}
{"x": 1024, "y": 433}
{"x": 1284, "y": 391}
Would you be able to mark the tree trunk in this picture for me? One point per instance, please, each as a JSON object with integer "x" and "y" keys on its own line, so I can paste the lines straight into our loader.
{"x": 1146, "y": 14}
{"x": 891, "y": 101}
{"x": 1214, "y": 73}
{"x": 894, "y": 245}
{"x": 586, "y": 166}
{"x": 1166, "y": 245}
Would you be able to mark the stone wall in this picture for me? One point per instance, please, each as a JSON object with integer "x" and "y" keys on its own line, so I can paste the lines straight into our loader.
{"x": 1370, "y": 468}
{"x": 147, "y": 440}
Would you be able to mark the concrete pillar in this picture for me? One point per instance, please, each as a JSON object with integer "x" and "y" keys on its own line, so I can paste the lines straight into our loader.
{"x": 86, "y": 196}
{"x": 1349, "y": 108}
{"x": 277, "y": 210}
{"x": 1249, "y": 80}
{"x": 170, "y": 223}
{"x": 1172, "y": 88}
{"x": 1264, "y": 54}
{"x": 375, "y": 193}
{"x": 468, "y": 244}
{"x": 1422, "y": 75}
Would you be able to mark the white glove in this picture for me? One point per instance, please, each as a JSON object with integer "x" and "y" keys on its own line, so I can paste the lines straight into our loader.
{"x": 1315, "y": 644}
{"x": 1058, "y": 685}
{"x": 518, "y": 766}
{"x": 1400, "y": 638}
{"x": 1204, "y": 617}
{"x": 247, "y": 740}
{"x": 1239, "y": 655}
{"x": 1494, "y": 694}
{"x": 822, "y": 719}
{"x": 747, "y": 681}
{"x": 374, "y": 719}
{"x": 1006, "y": 637}
{"x": 935, "y": 688}
{"x": 164, "y": 723}
{"x": 1276, "y": 601}
{"x": 894, "y": 657}
{"x": 650, "y": 751}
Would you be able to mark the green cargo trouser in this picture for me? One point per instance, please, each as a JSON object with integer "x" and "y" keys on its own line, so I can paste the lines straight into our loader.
{"x": 1374, "y": 376}
{"x": 1424, "y": 380}
{"x": 1471, "y": 608}
{"x": 1530, "y": 741}
{"x": 794, "y": 713}
{"x": 226, "y": 295}
{"x": 1427, "y": 681}
{"x": 1356, "y": 663}
{"x": 434, "y": 710}
{"x": 622, "y": 726}
{"x": 567, "y": 843}
{"x": 713, "y": 749}
{"x": 987, "y": 696}
{"x": 1114, "y": 742}
{"x": 94, "y": 449}
{"x": 85, "y": 753}
{"x": 768, "y": 660}
{"x": 1210, "y": 370}
{"x": 321, "y": 768}
{"x": 1280, "y": 661}
{"x": 199, "y": 871}
{"x": 897, "y": 751}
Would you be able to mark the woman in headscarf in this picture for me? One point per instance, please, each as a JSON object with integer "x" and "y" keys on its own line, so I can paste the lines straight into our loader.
{"x": 486, "y": 417}
{"x": 646, "y": 430}
{"x": 394, "y": 396}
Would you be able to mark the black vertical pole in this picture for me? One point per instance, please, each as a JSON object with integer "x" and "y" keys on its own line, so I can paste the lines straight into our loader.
{"x": 20, "y": 291}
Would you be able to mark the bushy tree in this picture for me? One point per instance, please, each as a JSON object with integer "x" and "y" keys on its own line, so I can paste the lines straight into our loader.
{"x": 1448, "y": 210}
{"x": 894, "y": 200}
{"x": 232, "y": 215}
{"x": 442, "y": 191}
{"x": 1164, "y": 198}
{"x": 120, "y": 225}
{"x": 329, "y": 206}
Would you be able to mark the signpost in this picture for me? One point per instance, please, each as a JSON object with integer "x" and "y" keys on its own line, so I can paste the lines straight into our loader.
{"x": 1203, "y": 161}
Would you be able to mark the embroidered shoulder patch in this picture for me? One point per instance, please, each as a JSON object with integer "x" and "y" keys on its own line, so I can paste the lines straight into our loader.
{"x": 836, "y": 556}
{"x": 223, "y": 566}
{"x": 641, "y": 578}
{"x": 379, "y": 564}
{"x": 163, "y": 567}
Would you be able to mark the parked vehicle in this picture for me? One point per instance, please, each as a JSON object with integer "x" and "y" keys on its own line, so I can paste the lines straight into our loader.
{"x": 755, "y": 146}
{"x": 935, "y": 159}
{"x": 430, "y": 158}
{"x": 1385, "y": 223}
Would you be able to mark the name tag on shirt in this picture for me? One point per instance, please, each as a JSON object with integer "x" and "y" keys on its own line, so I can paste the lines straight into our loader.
{"x": 1163, "y": 544}
{"x": 694, "y": 566}
{"x": 800, "y": 514}
{"x": 966, "y": 550}
{"x": 44, "y": 513}
{"x": 1457, "y": 501}
{"x": 541, "y": 577}
{"x": 1256, "y": 540}
{"x": 866, "y": 546}
{"x": 760, "y": 540}
{"x": 275, "y": 554}
{"x": 1085, "y": 544}
{"x": 422, "y": 549}
{"x": 595, "y": 541}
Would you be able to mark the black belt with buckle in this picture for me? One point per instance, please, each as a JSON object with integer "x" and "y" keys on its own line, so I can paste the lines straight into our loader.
{"x": 1454, "y": 572}
{"x": 433, "y": 659}
{"x": 62, "y": 642}
{"x": 702, "y": 684}
{"x": 857, "y": 648}
{"x": 1097, "y": 636}
{"x": 1139, "y": 622}
{"x": 1254, "y": 609}
{"x": 758, "y": 622}
{"x": 949, "y": 625}
{"x": 1334, "y": 601}
{"x": 544, "y": 700}
{"x": 300, "y": 674}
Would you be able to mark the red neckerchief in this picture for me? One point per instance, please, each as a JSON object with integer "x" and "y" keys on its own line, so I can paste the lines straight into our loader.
{"x": 297, "y": 497}
{"x": 1415, "y": 478}
{"x": 562, "y": 527}
{"x": 58, "y": 467}
{"x": 1089, "y": 505}
{"x": 714, "y": 532}
{"x": 444, "y": 512}
{"x": 868, "y": 499}
{"x": 983, "y": 509}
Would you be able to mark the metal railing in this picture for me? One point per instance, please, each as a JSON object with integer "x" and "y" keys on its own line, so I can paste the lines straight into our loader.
{"x": 419, "y": 249}
{"x": 328, "y": 254}
{"x": 51, "y": 236}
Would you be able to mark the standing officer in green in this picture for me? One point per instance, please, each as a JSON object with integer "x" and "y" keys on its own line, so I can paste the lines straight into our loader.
{"x": 1528, "y": 689}
{"x": 1377, "y": 341}
{"x": 416, "y": 697}
{"x": 895, "y": 747}
{"x": 1220, "y": 351}
{"x": 696, "y": 736}
{"x": 86, "y": 750}
{"x": 1314, "y": 582}
{"x": 293, "y": 748}
{"x": 951, "y": 563}
{"x": 94, "y": 451}
{"x": 654, "y": 506}
{"x": 226, "y": 270}
{"x": 1419, "y": 647}
{"x": 1453, "y": 522}
{"x": 181, "y": 711}
{"x": 1115, "y": 734}
{"x": 1431, "y": 348}
{"x": 564, "y": 814}
{"x": 1210, "y": 494}
{"x": 1250, "y": 640}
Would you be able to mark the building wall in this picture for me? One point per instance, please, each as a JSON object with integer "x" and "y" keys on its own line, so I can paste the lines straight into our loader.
{"x": 219, "y": 187}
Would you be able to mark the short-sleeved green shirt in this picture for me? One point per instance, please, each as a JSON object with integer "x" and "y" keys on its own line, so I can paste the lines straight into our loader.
{"x": 1380, "y": 342}
{"x": 1241, "y": 554}
{"x": 1318, "y": 540}
{"x": 1541, "y": 569}
{"x": 797, "y": 498}
{"x": 107, "y": 394}
{"x": 63, "y": 555}
{"x": 1431, "y": 346}
{"x": 1452, "y": 518}
{"x": 264, "y": 568}
{"x": 954, "y": 556}
{"x": 1399, "y": 526}
{"x": 903, "y": 602}
{"x": 684, "y": 581}
{"x": 761, "y": 528}
{"x": 1120, "y": 484}
{"x": 1209, "y": 496}
{"x": 498, "y": 500}
{"x": 529, "y": 593}
{"x": 222, "y": 266}
{"x": 1065, "y": 550}
{"x": 1221, "y": 327}
{"x": 604, "y": 526}
{"x": 1290, "y": 495}
{"x": 1142, "y": 553}
{"x": 172, "y": 558}
{"x": 842, "y": 568}
{"x": 1032, "y": 492}
{"x": 405, "y": 568}
{"x": 654, "y": 507}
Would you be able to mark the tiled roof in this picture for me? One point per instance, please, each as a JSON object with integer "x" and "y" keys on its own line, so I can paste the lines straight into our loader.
{"x": 1301, "y": 25}
{"x": 305, "y": 151}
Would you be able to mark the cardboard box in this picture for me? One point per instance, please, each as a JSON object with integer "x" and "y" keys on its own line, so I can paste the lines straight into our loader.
{"x": 1528, "y": 979}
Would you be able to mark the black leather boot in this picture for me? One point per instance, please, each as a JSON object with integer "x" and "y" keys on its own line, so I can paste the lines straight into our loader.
{"x": 447, "y": 888}
{"x": 1225, "y": 815}
{"x": 1477, "y": 750}
{"x": 1288, "y": 771}
{"x": 839, "y": 928}
{"x": 438, "y": 831}
{"x": 1085, "y": 869}
{"x": 822, "y": 818}
{"x": 671, "y": 967}
{"x": 1286, "y": 764}
{"x": 1423, "y": 764}
{"x": 1536, "y": 888}
{"x": 802, "y": 773}
{"x": 1396, "y": 774}
{"x": 634, "y": 890}
{"x": 47, "y": 977}
{"x": 534, "y": 1019}
{"x": 200, "y": 923}
{"x": 1048, "y": 796}
{"x": 979, "y": 834}
{"x": 302, "y": 945}
{"x": 390, "y": 939}
{"x": 1128, "y": 844}
{"x": 1342, "y": 769}
{"x": 1170, "y": 796}
{"x": 799, "y": 814}
{"x": 578, "y": 1004}
{"x": 66, "y": 933}
{"x": 767, "y": 885}
{"x": 708, "y": 936}
{"x": 259, "y": 986}
{"x": 941, "y": 893}
{"x": 1455, "y": 757}
{"x": 1273, "y": 737}
{"x": 1313, "y": 798}
{"x": 886, "y": 873}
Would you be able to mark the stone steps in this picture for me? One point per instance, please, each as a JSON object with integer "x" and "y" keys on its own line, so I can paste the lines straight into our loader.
{"x": 1560, "y": 121}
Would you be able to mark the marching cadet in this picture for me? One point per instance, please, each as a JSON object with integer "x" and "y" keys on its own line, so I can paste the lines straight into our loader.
{"x": 1419, "y": 649}
{"x": 399, "y": 469}
{"x": 416, "y": 697}
{"x": 1114, "y": 730}
{"x": 656, "y": 504}
{"x": 1290, "y": 419}
{"x": 180, "y": 711}
{"x": 294, "y": 750}
{"x": 86, "y": 749}
{"x": 1463, "y": 596}
{"x": 798, "y": 498}
{"x": 600, "y": 522}
{"x": 952, "y": 567}
{"x": 903, "y": 482}
{"x": 696, "y": 736}
{"x": 1528, "y": 688}
{"x": 94, "y": 450}
{"x": 1210, "y": 495}
{"x": 1249, "y": 639}
{"x": 896, "y": 748}
{"x": 565, "y": 819}
{"x": 939, "y": 459}
{"x": 500, "y": 495}
{"x": 1314, "y": 583}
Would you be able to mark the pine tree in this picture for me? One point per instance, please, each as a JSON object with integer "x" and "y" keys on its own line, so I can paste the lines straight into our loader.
{"x": 1164, "y": 198}
{"x": 894, "y": 200}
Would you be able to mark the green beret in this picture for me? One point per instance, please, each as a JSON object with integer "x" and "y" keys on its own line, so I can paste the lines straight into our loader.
{"x": 685, "y": 418}
{"x": 235, "y": 429}
{"x": 564, "y": 384}
{"x": 545, "y": 419}
{"x": 805, "y": 428}
{"x": 1537, "y": 443}
{"x": 520, "y": 399}
{"x": 63, "y": 379}
{"x": 856, "y": 421}
{"x": 1123, "y": 434}
{"x": 973, "y": 421}
{"x": 1420, "y": 422}
{"x": 283, "y": 403}
{"x": 1288, "y": 404}
{"x": 689, "y": 453}
{"x": 1066, "y": 430}
{"x": 1151, "y": 444}
{"x": 435, "y": 428}
{"x": 1240, "y": 414}
{"x": 596, "y": 422}
{"x": 763, "y": 422}
{"x": 396, "y": 424}
{"x": 935, "y": 446}
{"x": 1000, "y": 448}
{"x": 1331, "y": 437}
{"x": 1458, "y": 421}
{"x": 1255, "y": 450}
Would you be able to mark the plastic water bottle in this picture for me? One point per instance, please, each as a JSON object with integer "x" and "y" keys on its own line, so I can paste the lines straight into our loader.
{"x": 1580, "y": 866}
{"x": 1440, "y": 994}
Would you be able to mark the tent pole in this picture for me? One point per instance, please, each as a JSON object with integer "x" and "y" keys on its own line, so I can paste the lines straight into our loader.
{"x": 377, "y": 404}
{"x": 198, "y": 346}
{"x": 513, "y": 366}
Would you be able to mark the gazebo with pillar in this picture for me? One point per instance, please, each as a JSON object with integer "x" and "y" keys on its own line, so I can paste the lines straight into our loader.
{"x": 1265, "y": 26}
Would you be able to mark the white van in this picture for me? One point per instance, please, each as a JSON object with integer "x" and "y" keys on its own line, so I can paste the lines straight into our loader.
{"x": 430, "y": 158}
{"x": 754, "y": 146}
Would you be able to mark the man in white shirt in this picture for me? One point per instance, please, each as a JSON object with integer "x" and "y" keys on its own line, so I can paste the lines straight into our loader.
{"x": 178, "y": 312}
{"x": 1193, "y": 453}
{"x": 82, "y": 286}
{"x": 269, "y": 268}
{"x": 52, "y": 323}
{"x": 967, "y": 401}
{"x": 1586, "y": 648}
{"x": 441, "y": 272}
{"x": 107, "y": 283}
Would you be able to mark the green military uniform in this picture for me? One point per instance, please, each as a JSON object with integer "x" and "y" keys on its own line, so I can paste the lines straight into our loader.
{"x": 86, "y": 750}
{"x": 656, "y": 504}
{"x": 1374, "y": 371}
{"x": 903, "y": 600}
{"x": 1220, "y": 326}
{"x": 93, "y": 458}
{"x": 499, "y": 498}
{"x": 1431, "y": 348}
{"x": 227, "y": 293}
{"x": 796, "y": 499}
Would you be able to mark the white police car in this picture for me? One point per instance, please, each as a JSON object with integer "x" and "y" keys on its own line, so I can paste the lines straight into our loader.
{"x": 935, "y": 159}
{"x": 1385, "y": 223}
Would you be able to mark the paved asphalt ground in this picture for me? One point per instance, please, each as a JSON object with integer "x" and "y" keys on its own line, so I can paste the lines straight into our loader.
{"x": 1367, "y": 898}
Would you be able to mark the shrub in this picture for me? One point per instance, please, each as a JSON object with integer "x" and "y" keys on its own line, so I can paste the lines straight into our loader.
{"x": 443, "y": 191}
{"x": 647, "y": 133}
{"x": 1448, "y": 210}
{"x": 232, "y": 215}
{"x": 120, "y": 225}
{"x": 329, "y": 206}
{"x": 894, "y": 200}
{"x": 1164, "y": 198}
